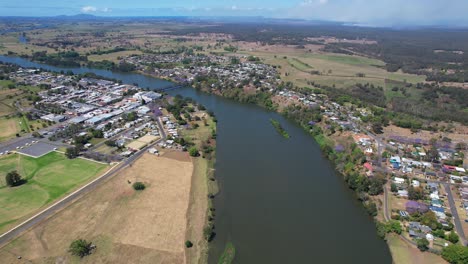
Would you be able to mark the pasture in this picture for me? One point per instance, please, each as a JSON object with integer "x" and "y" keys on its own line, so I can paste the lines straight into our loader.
{"x": 300, "y": 67}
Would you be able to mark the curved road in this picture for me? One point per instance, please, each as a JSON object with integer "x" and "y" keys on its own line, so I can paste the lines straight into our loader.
{"x": 51, "y": 210}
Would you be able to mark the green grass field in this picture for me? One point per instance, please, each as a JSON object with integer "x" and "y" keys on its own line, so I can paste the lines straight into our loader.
{"x": 298, "y": 64}
{"x": 48, "y": 178}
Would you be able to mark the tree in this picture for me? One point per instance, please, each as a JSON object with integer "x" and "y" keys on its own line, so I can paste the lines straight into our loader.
{"x": 461, "y": 146}
{"x": 80, "y": 247}
{"x": 415, "y": 193}
{"x": 439, "y": 233}
{"x": 455, "y": 254}
{"x": 394, "y": 226}
{"x": 13, "y": 179}
{"x": 381, "y": 229}
{"x": 111, "y": 143}
{"x": 97, "y": 133}
{"x": 429, "y": 218}
{"x": 423, "y": 244}
{"x": 188, "y": 244}
{"x": 371, "y": 208}
{"x": 452, "y": 237}
{"x": 193, "y": 151}
{"x": 376, "y": 185}
{"x": 393, "y": 187}
{"x": 72, "y": 152}
{"x": 36, "y": 134}
{"x": 139, "y": 186}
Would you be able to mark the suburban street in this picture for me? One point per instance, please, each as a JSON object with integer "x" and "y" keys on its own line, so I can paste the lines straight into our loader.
{"x": 456, "y": 218}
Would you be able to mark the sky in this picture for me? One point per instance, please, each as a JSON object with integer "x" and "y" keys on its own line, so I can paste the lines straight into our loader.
{"x": 365, "y": 12}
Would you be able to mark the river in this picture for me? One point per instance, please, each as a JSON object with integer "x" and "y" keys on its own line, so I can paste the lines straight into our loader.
{"x": 280, "y": 200}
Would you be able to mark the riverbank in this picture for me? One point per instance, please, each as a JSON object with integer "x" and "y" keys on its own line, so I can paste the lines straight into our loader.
{"x": 340, "y": 149}
{"x": 203, "y": 187}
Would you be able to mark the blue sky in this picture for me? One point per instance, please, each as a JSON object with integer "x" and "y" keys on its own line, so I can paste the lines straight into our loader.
{"x": 369, "y": 12}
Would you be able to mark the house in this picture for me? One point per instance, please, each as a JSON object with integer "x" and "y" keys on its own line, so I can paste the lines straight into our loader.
{"x": 395, "y": 159}
{"x": 436, "y": 209}
{"x": 413, "y": 207}
{"x": 465, "y": 205}
{"x": 53, "y": 118}
{"x": 404, "y": 214}
{"x": 143, "y": 110}
{"x": 403, "y": 193}
{"x": 464, "y": 190}
{"x": 425, "y": 229}
{"x": 434, "y": 196}
{"x": 153, "y": 151}
{"x": 416, "y": 234}
{"x": 362, "y": 139}
{"x": 429, "y": 237}
{"x": 368, "y": 166}
{"x": 414, "y": 225}
{"x": 399, "y": 180}
{"x": 415, "y": 183}
{"x": 433, "y": 187}
{"x": 436, "y": 203}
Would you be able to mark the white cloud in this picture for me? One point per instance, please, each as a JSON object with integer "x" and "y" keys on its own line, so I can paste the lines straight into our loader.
{"x": 88, "y": 9}
{"x": 93, "y": 9}
{"x": 234, "y": 7}
{"x": 313, "y": 2}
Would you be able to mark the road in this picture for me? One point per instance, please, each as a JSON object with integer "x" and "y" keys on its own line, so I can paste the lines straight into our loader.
{"x": 51, "y": 210}
{"x": 456, "y": 218}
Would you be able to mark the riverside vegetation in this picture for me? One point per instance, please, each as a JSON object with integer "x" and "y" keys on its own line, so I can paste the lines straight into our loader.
{"x": 276, "y": 124}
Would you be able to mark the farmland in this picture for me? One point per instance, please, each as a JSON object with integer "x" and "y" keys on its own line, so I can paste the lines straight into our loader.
{"x": 300, "y": 66}
{"x": 13, "y": 97}
{"x": 48, "y": 178}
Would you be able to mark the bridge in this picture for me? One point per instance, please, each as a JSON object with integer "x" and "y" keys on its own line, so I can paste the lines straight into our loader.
{"x": 172, "y": 87}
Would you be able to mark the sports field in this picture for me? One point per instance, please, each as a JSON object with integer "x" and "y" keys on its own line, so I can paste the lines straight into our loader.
{"x": 48, "y": 178}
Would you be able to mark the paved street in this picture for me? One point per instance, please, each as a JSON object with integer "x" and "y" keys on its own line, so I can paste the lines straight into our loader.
{"x": 456, "y": 218}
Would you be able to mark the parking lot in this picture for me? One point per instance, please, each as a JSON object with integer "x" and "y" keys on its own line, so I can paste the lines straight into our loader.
{"x": 16, "y": 145}
{"x": 38, "y": 149}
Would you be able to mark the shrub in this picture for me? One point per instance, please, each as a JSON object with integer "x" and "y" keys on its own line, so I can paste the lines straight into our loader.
{"x": 139, "y": 186}
{"x": 456, "y": 254}
{"x": 423, "y": 244}
{"x": 80, "y": 247}
{"x": 193, "y": 151}
{"x": 188, "y": 244}
{"x": 452, "y": 237}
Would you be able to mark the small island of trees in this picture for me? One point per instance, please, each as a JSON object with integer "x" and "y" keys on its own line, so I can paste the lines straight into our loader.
{"x": 279, "y": 128}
